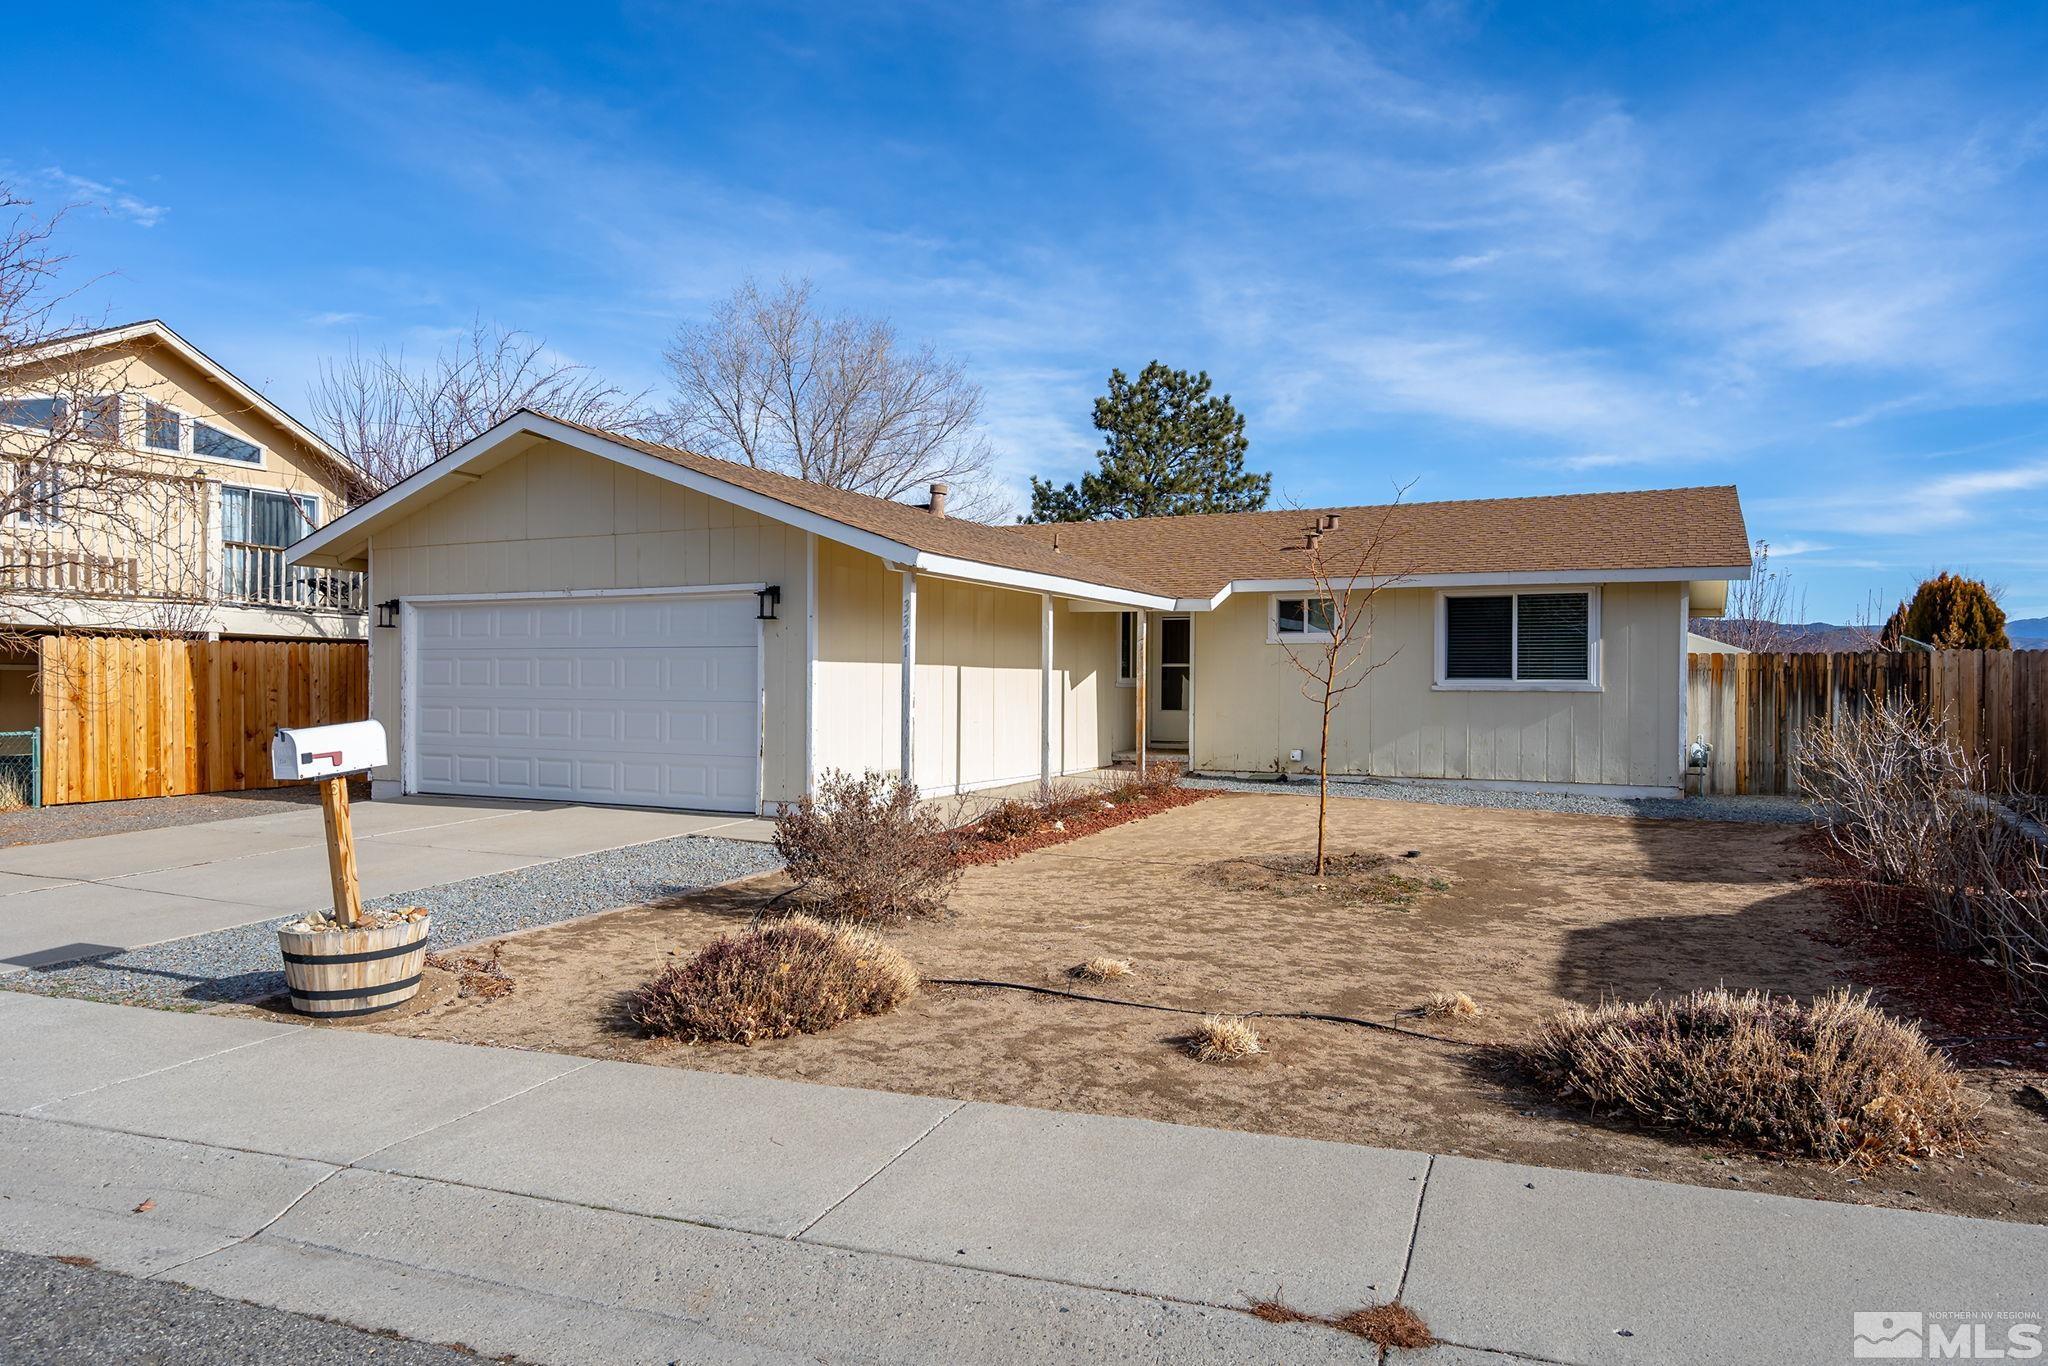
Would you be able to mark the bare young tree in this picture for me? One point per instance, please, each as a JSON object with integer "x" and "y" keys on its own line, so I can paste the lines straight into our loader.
{"x": 83, "y": 514}
{"x": 1347, "y": 568}
{"x": 771, "y": 382}
{"x": 1762, "y": 609}
{"x": 392, "y": 418}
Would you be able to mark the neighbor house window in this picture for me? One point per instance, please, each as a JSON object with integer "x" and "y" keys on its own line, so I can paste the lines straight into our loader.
{"x": 47, "y": 413}
{"x": 211, "y": 441}
{"x": 266, "y": 517}
{"x": 1512, "y": 639}
{"x": 163, "y": 429}
{"x": 1294, "y": 620}
{"x": 38, "y": 498}
{"x": 99, "y": 418}
{"x": 1126, "y": 644}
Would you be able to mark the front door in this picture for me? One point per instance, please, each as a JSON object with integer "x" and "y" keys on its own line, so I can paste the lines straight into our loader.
{"x": 1172, "y": 683}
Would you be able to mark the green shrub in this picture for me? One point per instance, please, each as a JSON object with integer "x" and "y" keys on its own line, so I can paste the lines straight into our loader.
{"x": 1834, "y": 1079}
{"x": 796, "y": 976}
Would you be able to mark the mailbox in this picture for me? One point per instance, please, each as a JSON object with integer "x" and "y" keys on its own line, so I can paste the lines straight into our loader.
{"x": 324, "y": 751}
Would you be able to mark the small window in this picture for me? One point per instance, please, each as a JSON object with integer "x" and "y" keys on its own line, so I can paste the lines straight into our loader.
{"x": 162, "y": 427}
{"x": 1510, "y": 638}
{"x": 1300, "y": 619}
{"x": 99, "y": 418}
{"x": 47, "y": 413}
{"x": 1127, "y": 645}
{"x": 265, "y": 517}
{"x": 216, "y": 444}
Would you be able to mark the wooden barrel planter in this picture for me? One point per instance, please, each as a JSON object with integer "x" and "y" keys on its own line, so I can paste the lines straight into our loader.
{"x": 334, "y": 974}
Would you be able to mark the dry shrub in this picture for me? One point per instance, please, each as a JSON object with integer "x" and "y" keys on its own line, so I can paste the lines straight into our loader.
{"x": 795, "y": 976}
{"x": 864, "y": 849}
{"x": 1384, "y": 1325}
{"x": 1156, "y": 779}
{"x": 1224, "y": 1038}
{"x": 14, "y": 792}
{"x": 479, "y": 975}
{"x": 1101, "y": 969}
{"x": 1449, "y": 1005}
{"x": 1013, "y": 819}
{"x": 1834, "y": 1079}
{"x": 1906, "y": 809}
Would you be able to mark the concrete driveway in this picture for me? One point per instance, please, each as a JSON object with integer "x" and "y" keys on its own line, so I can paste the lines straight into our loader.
{"x": 84, "y": 897}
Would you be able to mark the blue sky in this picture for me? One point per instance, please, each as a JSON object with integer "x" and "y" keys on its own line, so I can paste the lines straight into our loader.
{"x": 1502, "y": 249}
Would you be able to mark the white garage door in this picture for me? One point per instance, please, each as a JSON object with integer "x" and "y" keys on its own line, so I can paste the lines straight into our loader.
{"x": 647, "y": 701}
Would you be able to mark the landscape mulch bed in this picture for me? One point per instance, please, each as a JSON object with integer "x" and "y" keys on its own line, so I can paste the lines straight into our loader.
{"x": 1105, "y": 815}
{"x": 1541, "y": 911}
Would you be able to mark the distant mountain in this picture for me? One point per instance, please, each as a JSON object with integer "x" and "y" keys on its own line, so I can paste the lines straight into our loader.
{"x": 1814, "y": 637}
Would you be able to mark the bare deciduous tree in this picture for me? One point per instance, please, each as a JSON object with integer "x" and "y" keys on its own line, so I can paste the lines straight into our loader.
{"x": 1339, "y": 613}
{"x": 771, "y": 382}
{"x": 83, "y": 514}
{"x": 392, "y": 418}
{"x": 1762, "y": 609}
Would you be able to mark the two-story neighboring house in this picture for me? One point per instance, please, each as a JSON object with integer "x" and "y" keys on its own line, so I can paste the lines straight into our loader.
{"x": 145, "y": 488}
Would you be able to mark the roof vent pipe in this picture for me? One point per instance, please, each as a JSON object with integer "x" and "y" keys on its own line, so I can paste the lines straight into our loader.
{"x": 1330, "y": 521}
{"x": 939, "y": 492}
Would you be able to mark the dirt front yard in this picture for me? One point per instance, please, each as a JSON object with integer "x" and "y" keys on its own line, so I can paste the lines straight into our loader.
{"x": 1528, "y": 912}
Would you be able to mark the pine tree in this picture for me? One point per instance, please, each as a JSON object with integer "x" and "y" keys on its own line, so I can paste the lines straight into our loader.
{"x": 1948, "y": 612}
{"x": 1169, "y": 448}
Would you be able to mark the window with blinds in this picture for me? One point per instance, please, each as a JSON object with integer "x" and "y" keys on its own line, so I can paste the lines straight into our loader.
{"x": 1517, "y": 638}
{"x": 1551, "y": 636}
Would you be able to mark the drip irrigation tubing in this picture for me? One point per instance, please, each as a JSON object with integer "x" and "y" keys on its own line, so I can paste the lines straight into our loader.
{"x": 1315, "y": 1015}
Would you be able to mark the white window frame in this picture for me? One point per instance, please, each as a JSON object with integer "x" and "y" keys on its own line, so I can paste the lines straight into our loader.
{"x": 1594, "y": 641}
{"x": 184, "y": 446}
{"x": 1126, "y": 619}
{"x": 1274, "y": 636}
{"x": 188, "y": 433}
{"x": 319, "y": 504}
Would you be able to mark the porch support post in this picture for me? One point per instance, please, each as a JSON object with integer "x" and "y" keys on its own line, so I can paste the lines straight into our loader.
{"x": 909, "y": 709}
{"x": 1138, "y": 677}
{"x": 1045, "y": 691}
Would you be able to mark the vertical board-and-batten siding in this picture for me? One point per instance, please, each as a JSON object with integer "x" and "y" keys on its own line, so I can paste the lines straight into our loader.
{"x": 555, "y": 519}
{"x": 1250, "y": 708}
{"x": 978, "y": 677}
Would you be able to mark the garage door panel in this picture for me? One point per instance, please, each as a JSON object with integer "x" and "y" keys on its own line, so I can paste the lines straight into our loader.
{"x": 642, "y": 700}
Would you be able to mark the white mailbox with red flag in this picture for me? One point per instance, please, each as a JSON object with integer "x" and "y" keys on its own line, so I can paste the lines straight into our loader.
{"x": 303, "y": 752}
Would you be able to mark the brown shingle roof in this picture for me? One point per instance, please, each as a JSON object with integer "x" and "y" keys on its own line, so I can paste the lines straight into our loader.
{"x": 1196, "y": 556}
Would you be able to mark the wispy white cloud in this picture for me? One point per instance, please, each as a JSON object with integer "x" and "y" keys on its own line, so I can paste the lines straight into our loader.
{"x": 335, "y": 319}
{"x": 109, "y": 198}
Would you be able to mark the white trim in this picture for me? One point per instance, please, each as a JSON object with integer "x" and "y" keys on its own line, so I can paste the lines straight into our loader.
{"x": 723, "y": 590}
{"x": 1045, "y": 688}
{"x": 153, "y": 327}
{"x": 810, "y": 663}
{"x": 1684, "y": 682}
{"x": 1124, "y": 679}
{"x": 408, "y": 689}
{"x": 1303, "y": 636}
{"x": 1594, "y": 643}
{"x": 907, "y": 758}
{"x": 342, "y": 528}
{"x": 760, "y": 715}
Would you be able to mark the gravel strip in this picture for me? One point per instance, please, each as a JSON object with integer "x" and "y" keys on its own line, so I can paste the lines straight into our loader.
{"x": 1445, "y": 792}
{"x": 52, "y": 1314}
{"x": 241, "y": 964}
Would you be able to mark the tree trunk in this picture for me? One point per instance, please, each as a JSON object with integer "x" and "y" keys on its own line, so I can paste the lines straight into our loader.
{"x": 1323, "y": 784}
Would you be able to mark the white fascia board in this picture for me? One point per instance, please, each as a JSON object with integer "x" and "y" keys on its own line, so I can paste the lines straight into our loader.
{"x": 193, "y": 356}
{"x": 344, "y": 530}
{"x": 974, "y": 571}
{"x": 1505, "y": 580}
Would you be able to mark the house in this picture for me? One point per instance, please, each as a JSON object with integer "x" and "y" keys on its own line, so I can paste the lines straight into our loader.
{"x": 575, "y": 614}
{"x": 145, "y": 488}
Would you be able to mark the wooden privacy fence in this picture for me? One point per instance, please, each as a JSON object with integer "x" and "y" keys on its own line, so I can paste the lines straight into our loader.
{"x": 1753, "y": 708}
{"x": 128, "y": 716}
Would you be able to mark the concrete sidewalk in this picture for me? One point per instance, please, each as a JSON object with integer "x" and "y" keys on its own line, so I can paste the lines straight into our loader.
{"x": 81, "y": 898}
{"x": 567, "y": 1211}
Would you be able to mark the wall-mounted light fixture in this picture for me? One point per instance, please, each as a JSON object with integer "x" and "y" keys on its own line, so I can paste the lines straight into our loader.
{"x": 771, "y": 598}
{"x": 387, "y": 613}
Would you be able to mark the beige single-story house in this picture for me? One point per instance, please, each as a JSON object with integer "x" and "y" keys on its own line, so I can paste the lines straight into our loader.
{"x": 572, "y": 614}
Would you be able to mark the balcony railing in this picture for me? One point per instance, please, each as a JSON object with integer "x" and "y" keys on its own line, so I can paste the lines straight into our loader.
{"x": 259, "y": 576}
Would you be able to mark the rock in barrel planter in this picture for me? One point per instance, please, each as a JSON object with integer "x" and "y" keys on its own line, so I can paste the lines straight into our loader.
{"x": 347, "y": 963}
